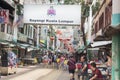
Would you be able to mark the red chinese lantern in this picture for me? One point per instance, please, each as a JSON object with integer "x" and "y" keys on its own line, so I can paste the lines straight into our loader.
{"x": 59, "y": 32}
{"x": 52, "y": 38}
{"x": 65, "y": 41}
{"x": 60, "y": 39}
{"x": 68, "y": 39}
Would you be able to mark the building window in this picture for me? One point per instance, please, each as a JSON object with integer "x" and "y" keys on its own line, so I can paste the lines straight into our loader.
{"x": 96, "y": 26}
{"x": 64, "y": 27}
{"x": 9, "y": 29}
{"x": 25, "y": 29}
{"x": 21, "y": 30}
{"x": 2, "y": 27}
{"x": 34, "y": 34}
{"x": 101, "y": 22}
{"x": 30, "y": 32}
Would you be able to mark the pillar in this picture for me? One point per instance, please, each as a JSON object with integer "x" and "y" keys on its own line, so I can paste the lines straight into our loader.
{"x": 116, "y": 41}
{"x": 116, "y": 57}
{"x": 15, "y": 28}
{"x": 38, "y": 34}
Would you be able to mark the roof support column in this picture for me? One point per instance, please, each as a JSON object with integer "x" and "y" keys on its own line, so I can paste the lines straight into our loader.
{"x": 116, "y": 57}
{"x": 116, "y": 41}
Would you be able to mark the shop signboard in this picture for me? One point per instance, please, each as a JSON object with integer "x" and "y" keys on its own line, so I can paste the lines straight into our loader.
{"x": 52, "y": 14}
{"x": 4, "y": 16}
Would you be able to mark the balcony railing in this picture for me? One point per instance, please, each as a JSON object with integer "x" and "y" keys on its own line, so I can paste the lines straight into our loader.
{"x": 5, "y": 36}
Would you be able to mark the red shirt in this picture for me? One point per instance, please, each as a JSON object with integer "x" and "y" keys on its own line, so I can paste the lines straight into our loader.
{"x": 98, "y": 73}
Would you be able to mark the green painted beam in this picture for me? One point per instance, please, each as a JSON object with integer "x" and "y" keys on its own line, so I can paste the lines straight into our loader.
{"x": 115, "y": 19}
{"x": 116, "y": 57}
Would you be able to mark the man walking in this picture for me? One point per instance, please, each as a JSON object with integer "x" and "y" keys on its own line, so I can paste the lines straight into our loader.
{"x": 71, "y": 67}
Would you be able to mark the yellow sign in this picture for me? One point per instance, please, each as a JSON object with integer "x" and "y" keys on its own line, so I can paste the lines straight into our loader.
{"x": 42, "y": 41}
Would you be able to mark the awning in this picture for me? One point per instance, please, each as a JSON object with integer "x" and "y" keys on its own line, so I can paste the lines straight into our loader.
{"x": 93, "y": 49}
{"x": 4, "y": 43}
{"x": 7, "y": 43}
{"x": 100, "y": 43}
{"x": 23, "y": 45}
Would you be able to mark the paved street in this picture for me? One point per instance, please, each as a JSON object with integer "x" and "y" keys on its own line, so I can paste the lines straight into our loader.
{"x": 36, "y": 72}
{"x": 56, "y": 75}
{"x": 32, "y": 75}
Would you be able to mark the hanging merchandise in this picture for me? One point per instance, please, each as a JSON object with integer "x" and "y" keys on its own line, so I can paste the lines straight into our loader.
{"x": 12, "y": 59}
{"x": 9, "y": 62}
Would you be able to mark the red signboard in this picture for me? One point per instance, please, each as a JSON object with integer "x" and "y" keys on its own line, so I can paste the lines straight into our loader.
{"x": 4, "y": 16}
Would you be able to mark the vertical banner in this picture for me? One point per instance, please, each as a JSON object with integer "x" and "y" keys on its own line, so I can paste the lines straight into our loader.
{"x": 4, "y": 16}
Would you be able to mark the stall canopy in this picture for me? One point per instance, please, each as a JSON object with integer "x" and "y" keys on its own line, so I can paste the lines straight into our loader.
{"x": 23, "y": 45}
{"x": 100, "y": 43}
{"x": 7, "y": 43}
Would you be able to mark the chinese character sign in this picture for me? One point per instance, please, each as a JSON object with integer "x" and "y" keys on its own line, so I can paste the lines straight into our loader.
{"x": 4, "y": 16}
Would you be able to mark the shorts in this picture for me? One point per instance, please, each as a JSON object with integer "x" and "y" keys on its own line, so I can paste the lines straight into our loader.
{"x": 72, "y": 71}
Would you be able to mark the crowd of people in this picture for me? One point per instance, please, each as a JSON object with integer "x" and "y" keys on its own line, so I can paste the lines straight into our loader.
{"x": 58, "y": 61}
{"x": 67, "y": 62}
{"x": 78, "y": 67}
{"x": 82, "y": 65}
